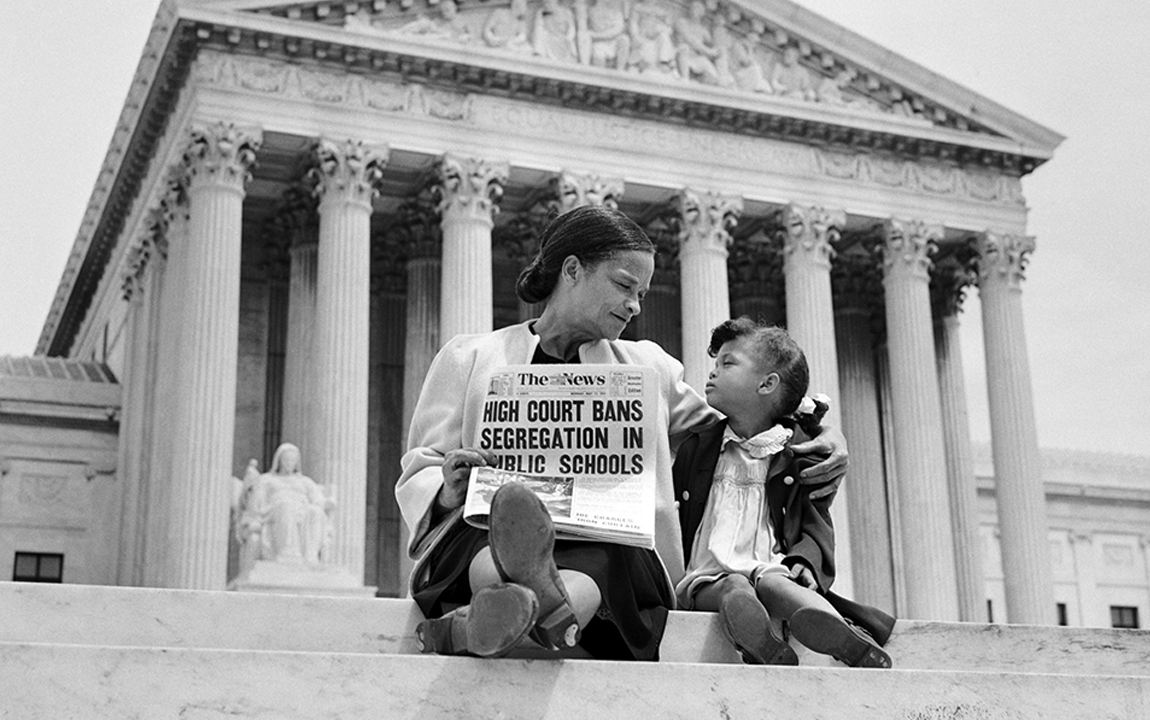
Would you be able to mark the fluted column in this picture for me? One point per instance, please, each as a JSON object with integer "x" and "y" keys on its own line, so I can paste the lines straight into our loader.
{"x": 299, "y": 378}
{"x": 807, "y": 236}
{"x": 347, "y": 174}
{"x": 138, "y": 289}
{"x": 890, "y": 468}
{"x": 422, "y": 239}
{"x": 705, "y": 220}
{"x": 204, "y": 398}
{"x": 924, "y": 503}
{"x": 856, "y": 276}
{"x": 470, "y": 190}
{"x": 1013, "y": 436}
{"x": 948, "y": 285}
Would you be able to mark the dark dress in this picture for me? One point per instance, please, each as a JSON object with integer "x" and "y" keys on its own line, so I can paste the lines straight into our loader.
{"x": 636, "y": 599}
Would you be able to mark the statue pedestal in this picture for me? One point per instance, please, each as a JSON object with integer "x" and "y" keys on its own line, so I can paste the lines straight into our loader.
{"x": 296, "y": 578}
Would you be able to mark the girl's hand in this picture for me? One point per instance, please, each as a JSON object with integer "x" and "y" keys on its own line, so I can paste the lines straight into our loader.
{"x": 802, "y": 574}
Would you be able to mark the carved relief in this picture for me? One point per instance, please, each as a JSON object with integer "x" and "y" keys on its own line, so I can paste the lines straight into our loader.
{"x": 1003, "y": 256}
{"x": 576, "y": 190}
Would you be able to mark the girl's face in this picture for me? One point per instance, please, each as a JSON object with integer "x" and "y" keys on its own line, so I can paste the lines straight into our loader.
{"x": 605, "y": 297}
{"x": 736, "y": 379}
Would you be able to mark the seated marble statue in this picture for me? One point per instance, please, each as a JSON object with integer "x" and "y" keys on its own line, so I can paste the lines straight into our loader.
{"x": 289, "y": 512}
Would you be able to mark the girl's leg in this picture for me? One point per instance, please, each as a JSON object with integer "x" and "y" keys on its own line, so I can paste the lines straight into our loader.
{"x": 816, "y": 624}
{"x": 745, "y": 621}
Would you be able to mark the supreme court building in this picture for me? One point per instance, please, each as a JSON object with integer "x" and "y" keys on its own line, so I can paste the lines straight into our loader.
{"x": 303, "y": 200}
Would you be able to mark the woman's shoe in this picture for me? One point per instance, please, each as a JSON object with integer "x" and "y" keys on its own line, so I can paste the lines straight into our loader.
{"x": 829, "y": 634}
{"x": 498, "y": 618}
{"x": 522, "y": 540}
{"x": 747, "y": 625}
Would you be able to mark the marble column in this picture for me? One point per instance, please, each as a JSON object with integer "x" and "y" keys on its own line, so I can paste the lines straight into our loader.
{"x": 890, "y": 469}
{"x": 920, "y": 456}
{"x": 422, "y": 244}
{"x": 347, "y": 176}
{"x": 203, "y": 401}
{"x": 470, "y": 190}
{"x": 705, "y": 221}
{"x": 299, "y": 349}
{"x": 856, "y": 277}
{"x": 1014, "y": 438}
{"x": 807, "y": 234}
{"x": 948, "y": 284}
{"x": 172, "y": 245}
{"x": 139, "y": 290}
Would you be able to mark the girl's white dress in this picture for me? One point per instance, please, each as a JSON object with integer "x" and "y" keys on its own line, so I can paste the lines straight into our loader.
{"x": 735, "y": 536}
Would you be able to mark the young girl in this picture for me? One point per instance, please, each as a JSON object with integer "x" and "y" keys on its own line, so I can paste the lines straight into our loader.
{"x": 758, "y": 543}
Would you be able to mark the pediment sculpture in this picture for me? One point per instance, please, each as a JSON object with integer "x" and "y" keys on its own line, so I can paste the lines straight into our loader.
{"x": 282, "y": 515}
{"x": 704, "y": 43}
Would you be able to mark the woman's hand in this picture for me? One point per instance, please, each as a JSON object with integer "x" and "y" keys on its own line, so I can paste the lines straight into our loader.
{"x": 456, "y": 469}
{"x": 829, "y": 472}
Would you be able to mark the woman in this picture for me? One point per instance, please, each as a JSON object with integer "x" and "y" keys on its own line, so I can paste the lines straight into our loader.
{"x": 485, "y": 591}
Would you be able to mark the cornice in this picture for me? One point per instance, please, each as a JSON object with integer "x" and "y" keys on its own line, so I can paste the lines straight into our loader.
{"x": 159, "y": 76}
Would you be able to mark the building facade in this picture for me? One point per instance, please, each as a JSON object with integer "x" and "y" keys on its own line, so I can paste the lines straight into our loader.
{"x": 303, "y": 200}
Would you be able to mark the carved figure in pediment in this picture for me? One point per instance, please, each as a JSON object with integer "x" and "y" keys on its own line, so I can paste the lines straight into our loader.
{"x": 745, "y": 68}
{"x": 359, "y": 20}
{"x": 695, "y": 51}
{"x": 790, "y": 79}
{"x": 830, "y": 89}
{"x": 449, "y": 25}
{"x": 652, "y": 49}
{"x": 553, "y": 35}
{"x": 506, "y": 27}
{"x": 607, "y": 30}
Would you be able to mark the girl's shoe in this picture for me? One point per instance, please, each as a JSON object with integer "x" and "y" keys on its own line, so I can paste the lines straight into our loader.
{"x": 829, "y": 634}
{"x": 747, "y": 625}
{"x": 498, "y": 618}
{"x": 522, "y": 540}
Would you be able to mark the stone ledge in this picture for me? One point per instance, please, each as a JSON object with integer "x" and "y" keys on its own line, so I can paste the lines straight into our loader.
{"x": 148, "y": 617}
{"x": 54, "y": 681}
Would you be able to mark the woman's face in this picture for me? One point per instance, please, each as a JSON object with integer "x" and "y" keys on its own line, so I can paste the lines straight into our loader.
{"x": 606, "y": 296}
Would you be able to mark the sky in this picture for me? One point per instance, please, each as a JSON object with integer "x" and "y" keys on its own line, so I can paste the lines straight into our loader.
{"x": 1075, "y": 67}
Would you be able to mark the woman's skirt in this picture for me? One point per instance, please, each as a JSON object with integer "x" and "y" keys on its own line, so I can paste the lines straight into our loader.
{"x": 632, "y": 615}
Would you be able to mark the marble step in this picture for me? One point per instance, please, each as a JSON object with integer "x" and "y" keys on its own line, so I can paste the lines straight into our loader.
{"x": 155, "y": 618}
{"x": 51, "y": 681}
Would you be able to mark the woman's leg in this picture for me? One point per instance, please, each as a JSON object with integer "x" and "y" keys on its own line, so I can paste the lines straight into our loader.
{"x": 584, "y": 593}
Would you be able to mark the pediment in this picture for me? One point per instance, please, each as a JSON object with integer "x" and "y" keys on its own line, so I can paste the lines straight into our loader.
{"x": 770, "y": 51}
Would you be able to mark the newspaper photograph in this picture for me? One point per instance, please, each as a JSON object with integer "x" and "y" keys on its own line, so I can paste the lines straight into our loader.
{"x": 582, "y": 438}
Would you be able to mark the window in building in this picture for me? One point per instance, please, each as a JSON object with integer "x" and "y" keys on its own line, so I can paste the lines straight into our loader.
{"x": 989, "y": 610}
{"x": 38, "y": 567}
{"x": 1062, "y": 614}
{"x": 1122, "y": 616}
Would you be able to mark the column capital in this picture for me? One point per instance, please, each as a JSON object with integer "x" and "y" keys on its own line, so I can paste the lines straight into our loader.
{"x": 347, "y": 171}
{"x": 578, "y": 189}
{"x": 135, "y": 267}
{"x": 1004, "y": 256}
{"x": 811, "y": 229}
{"x": 907, "y": 246}
{"x": 951, "y": 275}
{"x": 705, "y": 220}
{"x": 470, "y": 188}
{"x": 221, "y": 154}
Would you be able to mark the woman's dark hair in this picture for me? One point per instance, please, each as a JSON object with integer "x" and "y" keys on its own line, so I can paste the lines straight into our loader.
{"x": 774, "y": 350}
{"x": 591, "y": 233}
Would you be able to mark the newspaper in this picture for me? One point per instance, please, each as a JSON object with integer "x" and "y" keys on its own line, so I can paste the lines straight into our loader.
{"x": 582, "y": 437}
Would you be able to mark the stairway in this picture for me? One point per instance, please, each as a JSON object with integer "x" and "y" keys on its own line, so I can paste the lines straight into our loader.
{"x": 73, "y": 651}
